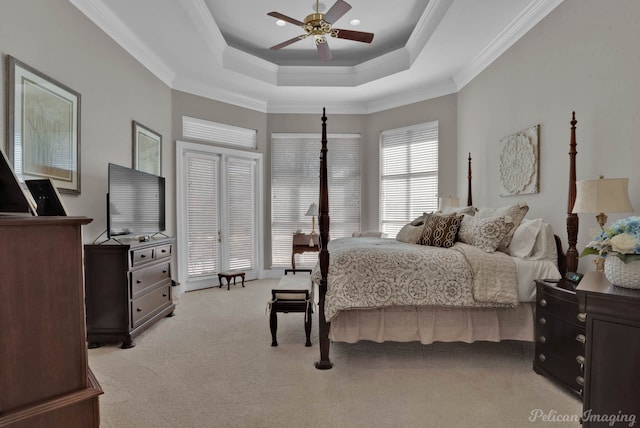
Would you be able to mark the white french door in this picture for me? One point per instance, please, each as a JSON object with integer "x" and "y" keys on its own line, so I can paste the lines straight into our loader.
{"x": 218, "y": 217}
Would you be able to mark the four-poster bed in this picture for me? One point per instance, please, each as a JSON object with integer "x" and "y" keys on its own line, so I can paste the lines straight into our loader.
{"x": 499, "y": 318}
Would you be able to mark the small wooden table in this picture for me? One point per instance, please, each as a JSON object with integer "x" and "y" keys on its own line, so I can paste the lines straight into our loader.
{"x": 301, "y": 245}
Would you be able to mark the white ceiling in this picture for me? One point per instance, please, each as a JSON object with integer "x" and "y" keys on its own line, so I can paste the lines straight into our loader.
{"x": 220, "y": 48}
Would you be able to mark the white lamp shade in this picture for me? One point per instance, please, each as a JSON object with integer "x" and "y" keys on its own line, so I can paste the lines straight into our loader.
{"x": 313, "y": 210}
{"x": 448, "y": 202}
{"x": 604, "y": 195}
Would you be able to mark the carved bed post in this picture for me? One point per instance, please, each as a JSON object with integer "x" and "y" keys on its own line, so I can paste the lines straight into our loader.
{"x": 572, "y": 219}
{"x": 469, "y": 197}
{"x": 323, "y": 224}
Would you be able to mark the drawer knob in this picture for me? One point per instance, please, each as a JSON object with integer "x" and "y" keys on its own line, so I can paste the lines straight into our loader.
{"x": 542, "y": 339}
{"x": 580, "y": 360}
{"x": 581, "y": 338}
{"x": 543, "y": 302}
{"x": 163, "y": 251}
{"x": 582, "y": 317}
{"x": 541, "y": 358}
{"x": 542, "y": 320}
{"x": 164, "y": 271}
{"x": 580, "y": 380}
{"x": 164, "y": 294}
{"x": 142, "y": 256}
{"x": 138, "y": 281}
{"x": 139, "y": 309}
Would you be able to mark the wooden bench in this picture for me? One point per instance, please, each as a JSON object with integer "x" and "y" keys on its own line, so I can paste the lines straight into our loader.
{"x": 294, "y": 294}
{"x": 230, "y": 274}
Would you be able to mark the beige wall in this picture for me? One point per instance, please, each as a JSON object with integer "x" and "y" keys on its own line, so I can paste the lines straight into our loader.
{"x": 584, "y": 56}
{"x": 55, "y": 38}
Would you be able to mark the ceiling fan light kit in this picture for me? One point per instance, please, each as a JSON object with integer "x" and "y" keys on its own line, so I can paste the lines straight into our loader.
{"x": 319, "y": 25}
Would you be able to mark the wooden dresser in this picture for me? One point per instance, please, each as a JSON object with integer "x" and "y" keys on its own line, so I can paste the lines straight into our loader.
{"x": 559, "y": 335}
{"x": 45, "y": 379}
{"x": 128, "y": 287}
{"x": 612, "y": 375}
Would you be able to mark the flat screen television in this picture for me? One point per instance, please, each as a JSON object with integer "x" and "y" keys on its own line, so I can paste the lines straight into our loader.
{"x": 135, "y": 202}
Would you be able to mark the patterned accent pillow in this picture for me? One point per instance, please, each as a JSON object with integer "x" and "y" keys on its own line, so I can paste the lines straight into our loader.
{"x": 484, "y": 233}
{"x": 440, "y": 231}
{"x": 515, "y": 213}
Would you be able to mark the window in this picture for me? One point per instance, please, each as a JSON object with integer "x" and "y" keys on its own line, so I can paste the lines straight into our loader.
{"x": 408, "y": 175}
{"x": 295, "y": 184}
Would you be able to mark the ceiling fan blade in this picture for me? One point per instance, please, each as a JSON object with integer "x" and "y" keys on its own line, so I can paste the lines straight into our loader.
{"x": 336, "y": 11}
{"x": 288, "y": 42}
{"x": 290, "y": 20}
{"x": 358, "y": 36}
{"x": 324, "y": 51}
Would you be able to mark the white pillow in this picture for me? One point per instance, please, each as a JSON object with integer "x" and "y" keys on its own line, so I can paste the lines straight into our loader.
{"x": 369, "y": 234}
{"x": 524, "y": 238}
{"x": 534, "y": 240}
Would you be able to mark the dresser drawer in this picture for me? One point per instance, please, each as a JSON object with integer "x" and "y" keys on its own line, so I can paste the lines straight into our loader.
{"x": 564, "y": 338}
{"x": 141, "y": 256}
{"x": 144, "y": 307}
{"x": 560, "y": 304}
{"x": 570, "y": 373}
{"x": 144, "y": 279}
{"x": 163, "y": 251}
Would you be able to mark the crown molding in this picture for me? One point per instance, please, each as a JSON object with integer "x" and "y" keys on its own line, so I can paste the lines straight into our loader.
{"x": 524, "y": 22}
{"x": 219, "y": 94}
{"x": 427, "y": 24}
{"x": 411, "y": 96}
{"x": 100, "y": 14}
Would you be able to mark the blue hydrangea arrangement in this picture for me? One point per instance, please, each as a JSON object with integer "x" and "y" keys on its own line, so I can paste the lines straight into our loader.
{"x": 620, "y": 239}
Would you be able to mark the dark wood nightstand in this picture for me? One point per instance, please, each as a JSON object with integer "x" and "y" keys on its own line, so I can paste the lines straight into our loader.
{"x": 612, "y": 375}
{"x": 301, "y": 244}
{"x": 559, "y": 335}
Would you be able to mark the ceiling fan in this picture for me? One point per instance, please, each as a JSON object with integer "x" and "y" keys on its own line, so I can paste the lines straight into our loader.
{"x": 319, "y": 25}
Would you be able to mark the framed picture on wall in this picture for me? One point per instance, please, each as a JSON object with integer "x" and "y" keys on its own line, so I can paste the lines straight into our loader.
{"x": 147, "y": 149}
{"x": 43, "y": 123}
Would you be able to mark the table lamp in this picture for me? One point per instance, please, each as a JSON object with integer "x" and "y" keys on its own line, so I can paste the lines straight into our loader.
{"x": 599, "y": 196}
{"x": 445, "y": 202}
{"x": 312, "y": 212}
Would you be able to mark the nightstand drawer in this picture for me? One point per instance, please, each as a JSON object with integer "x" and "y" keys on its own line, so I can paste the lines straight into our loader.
{"x": 563, "y": 339}
{"x": 569, "y": 373}
{"x": 560, "y": 304}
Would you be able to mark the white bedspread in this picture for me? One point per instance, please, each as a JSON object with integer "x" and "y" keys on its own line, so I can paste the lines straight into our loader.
{"x": 373, "y": 272}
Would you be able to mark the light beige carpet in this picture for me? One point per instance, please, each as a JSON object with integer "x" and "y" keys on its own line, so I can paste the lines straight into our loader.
{"x": 212, "y": 365}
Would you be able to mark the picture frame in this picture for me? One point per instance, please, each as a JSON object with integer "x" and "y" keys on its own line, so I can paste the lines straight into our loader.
{"x": 147, "y": 149}
{"x": 43, "y": 127}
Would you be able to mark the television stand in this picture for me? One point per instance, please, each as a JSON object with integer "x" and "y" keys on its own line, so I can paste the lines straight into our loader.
{"x": 128, "y": 288}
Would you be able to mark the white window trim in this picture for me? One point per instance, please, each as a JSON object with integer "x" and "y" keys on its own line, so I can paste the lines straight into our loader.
{"x": 206, "y": 130}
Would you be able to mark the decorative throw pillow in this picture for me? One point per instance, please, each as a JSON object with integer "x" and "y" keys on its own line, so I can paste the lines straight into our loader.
{"x": 484, "y": 233}
{"x": 410, "y": 234}
{"x": 440, "y": 231}
{"x": 513, "y": 212}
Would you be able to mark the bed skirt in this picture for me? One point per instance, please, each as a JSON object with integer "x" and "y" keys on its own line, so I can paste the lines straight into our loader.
{"x": 428, "y": 324}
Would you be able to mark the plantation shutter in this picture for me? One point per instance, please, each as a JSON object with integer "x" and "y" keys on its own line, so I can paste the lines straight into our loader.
{"x": 408, "y": 174}
{"x": 295, "y": 172}
{"x": 202, "y": 215}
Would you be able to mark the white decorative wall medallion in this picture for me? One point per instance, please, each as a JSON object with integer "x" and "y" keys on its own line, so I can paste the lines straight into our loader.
{"x": 519, "y": 162}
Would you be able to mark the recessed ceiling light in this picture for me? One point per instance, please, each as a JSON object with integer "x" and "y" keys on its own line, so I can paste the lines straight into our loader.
{"x": 354, "y": 22}
{"x": 280, "y": 23}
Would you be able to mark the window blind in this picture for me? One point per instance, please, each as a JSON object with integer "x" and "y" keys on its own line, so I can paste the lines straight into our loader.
{"x": 206, "y": 130}
{"x": 202, "y": 215}
{"x": 240, "y": 233}
{"x": 295, "y": 183}
{"x": 408, "y": 175}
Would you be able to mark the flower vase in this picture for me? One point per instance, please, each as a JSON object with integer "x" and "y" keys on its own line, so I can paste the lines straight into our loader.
{"x": 622, "y": 274}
